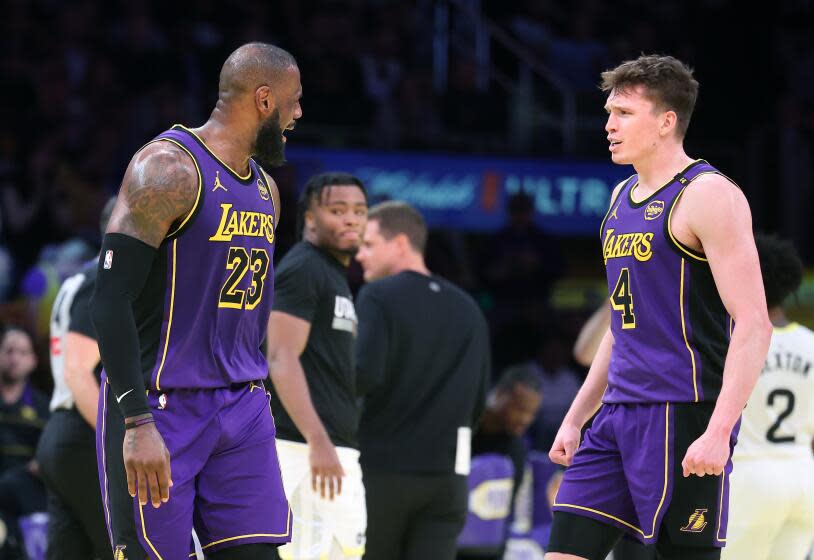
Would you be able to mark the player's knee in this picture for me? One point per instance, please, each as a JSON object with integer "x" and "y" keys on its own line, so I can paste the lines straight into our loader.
{"x": 255, "y": 551}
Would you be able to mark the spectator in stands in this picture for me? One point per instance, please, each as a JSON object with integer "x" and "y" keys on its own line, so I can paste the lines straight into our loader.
{"x": 510, "y": 409}
{"x": 23, "y": 412}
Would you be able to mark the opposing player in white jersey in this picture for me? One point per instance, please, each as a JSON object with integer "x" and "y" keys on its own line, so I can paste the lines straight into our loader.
{"x": 772, "y": 503}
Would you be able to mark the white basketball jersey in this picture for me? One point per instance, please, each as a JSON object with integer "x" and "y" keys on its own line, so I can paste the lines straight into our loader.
{"x": 60, "y": 321}
{"x": 778, "y": 421}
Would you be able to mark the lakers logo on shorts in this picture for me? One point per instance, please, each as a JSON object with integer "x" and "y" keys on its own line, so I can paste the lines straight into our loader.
{"x": 696, "y": 523}
{"x": 119, "y": 554}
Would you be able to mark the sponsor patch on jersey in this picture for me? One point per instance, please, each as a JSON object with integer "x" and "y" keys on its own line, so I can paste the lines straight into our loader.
{"x": 654, "y": 210}
{"x": 108, "y": 259}
{"x": 696, "y": 523}
{"x": 120, "y": 552}
{"x": 263, "y": 190}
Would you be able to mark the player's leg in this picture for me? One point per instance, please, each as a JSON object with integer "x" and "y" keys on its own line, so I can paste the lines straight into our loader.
{"x": 256, "y": 551}
{"x": 434, "y": 529}
{"x": 796, "y": 536}
{"x": 695, "y": 524}
{"x": 141, "y": 531}
{"x": 756, "y": 514}
{"x": 240, "y": 498}
{"x": 389, "y": 499}
{"x": 594, "y": 496}
{"x": 576, "y": 536}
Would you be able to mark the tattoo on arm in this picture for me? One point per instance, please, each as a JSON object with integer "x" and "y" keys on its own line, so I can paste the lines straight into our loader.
{"x": 160, "y": 186}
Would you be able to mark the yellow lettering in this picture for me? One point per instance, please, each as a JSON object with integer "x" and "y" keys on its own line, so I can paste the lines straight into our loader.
{"x": 221, "y": 234}
{"x": 608, "y": 243}
{"x": 628, "y": 237}
{"x": 645, "y": 250}
{"x": 253, "y": 225}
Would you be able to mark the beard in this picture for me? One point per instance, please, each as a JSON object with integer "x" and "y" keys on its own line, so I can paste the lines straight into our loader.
{"x": 269, "y": 148}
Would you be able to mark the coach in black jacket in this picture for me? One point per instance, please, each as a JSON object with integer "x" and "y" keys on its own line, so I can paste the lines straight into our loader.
{"x": 423, "y": 367}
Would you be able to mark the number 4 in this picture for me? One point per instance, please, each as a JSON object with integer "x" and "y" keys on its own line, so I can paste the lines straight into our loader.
{"x": 622, "y": 299}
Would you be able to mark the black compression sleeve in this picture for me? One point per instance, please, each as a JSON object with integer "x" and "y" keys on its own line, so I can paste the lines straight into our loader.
{"x": 124, "y": 265}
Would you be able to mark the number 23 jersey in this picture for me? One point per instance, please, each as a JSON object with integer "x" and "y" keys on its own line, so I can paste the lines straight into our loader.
{"x": 670, "y": 328}
{"x": 203, "y": 313}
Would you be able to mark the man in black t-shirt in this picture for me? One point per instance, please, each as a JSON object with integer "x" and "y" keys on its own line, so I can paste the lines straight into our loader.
{"x": 67, "y": 448}
{"x": 424, "y": 367}
{"x": 312, "y": 332}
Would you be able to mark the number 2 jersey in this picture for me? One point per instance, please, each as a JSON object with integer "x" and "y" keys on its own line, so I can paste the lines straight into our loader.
{"x": 778, "y": 421}
{"x": 670, "y": 328}
{"x": 203, "y": 313}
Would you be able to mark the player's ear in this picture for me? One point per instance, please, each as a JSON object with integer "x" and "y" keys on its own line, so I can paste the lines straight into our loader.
{"x": 669, "y": 121}
{"x": 264, "y": 100}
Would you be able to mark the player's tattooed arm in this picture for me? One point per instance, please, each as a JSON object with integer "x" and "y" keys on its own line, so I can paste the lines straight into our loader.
{"x": 159, "y": 187}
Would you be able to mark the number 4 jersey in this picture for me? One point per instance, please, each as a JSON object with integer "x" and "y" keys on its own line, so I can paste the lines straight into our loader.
{"x": 670, "y": 328}
{"x": 203, "y": 314}
{"x": 778, "y": 420}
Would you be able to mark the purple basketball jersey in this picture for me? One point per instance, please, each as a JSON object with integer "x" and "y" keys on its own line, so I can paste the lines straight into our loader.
{"x": 205, "y": 310}
{"x": 670, "y": 328}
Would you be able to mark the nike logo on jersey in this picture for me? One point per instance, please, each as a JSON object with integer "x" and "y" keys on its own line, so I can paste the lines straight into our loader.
{"x": 119, "y": 399}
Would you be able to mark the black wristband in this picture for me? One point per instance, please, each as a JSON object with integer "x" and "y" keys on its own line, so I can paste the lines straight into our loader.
{"x": 124, "y": 265}
{"x": 139, "y": 422}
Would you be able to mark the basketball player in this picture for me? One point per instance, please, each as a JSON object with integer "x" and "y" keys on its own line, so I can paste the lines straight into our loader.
{"x": 673, "y": 372}
{"x": 180, "y": 308}
{"x": 67, "y": 448}
{"x": 773, "y": 480}
{"x": 312, "y": 332}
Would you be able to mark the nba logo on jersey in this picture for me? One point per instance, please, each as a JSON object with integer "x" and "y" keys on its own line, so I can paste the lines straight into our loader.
{"x": 108, "y": 259}
{"x": 162, "y": 401}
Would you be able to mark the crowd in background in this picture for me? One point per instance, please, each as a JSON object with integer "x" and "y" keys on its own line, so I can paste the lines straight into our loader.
{"x": 85, "y": 84}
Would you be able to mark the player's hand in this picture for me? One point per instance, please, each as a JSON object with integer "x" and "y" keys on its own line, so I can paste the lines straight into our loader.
{"x": 147, "y": 462}
{"x": 326, "y": 470}
{"x": 707, "y": 455}
{"x": 565, "y": 445}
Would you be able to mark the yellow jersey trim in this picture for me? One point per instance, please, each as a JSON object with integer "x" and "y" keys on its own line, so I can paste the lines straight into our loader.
{"x": 243, "y": 177}
{"x": 229, "y": 539}
{"x": 663, "y": 492}
{"x": 144, "y": 530}
{"x": 106, "y": 500}
{"x": 675, "y": 241}
{"x": 684, "y": 332}
{"x": 271, "y": 194}
{"x": 200, "y": 181}
{"x": 640, "y": 203}
{"x": 200, "y": 188}
{"x": 721, "y": 506}
{"x": 787, "y": 328}
{"x": 169, "y": 322}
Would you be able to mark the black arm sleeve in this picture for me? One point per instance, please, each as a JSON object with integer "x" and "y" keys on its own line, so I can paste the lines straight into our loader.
{"x": 372, "y": 344}
{"x": 124, "y": 265}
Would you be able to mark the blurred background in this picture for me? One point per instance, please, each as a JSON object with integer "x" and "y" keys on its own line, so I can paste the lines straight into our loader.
{"x": 485, "y": 114}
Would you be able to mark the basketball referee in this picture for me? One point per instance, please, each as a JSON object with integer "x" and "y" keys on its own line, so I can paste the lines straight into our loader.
{"x": 67, "y": 447}
{"x": 423, "y": 363}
